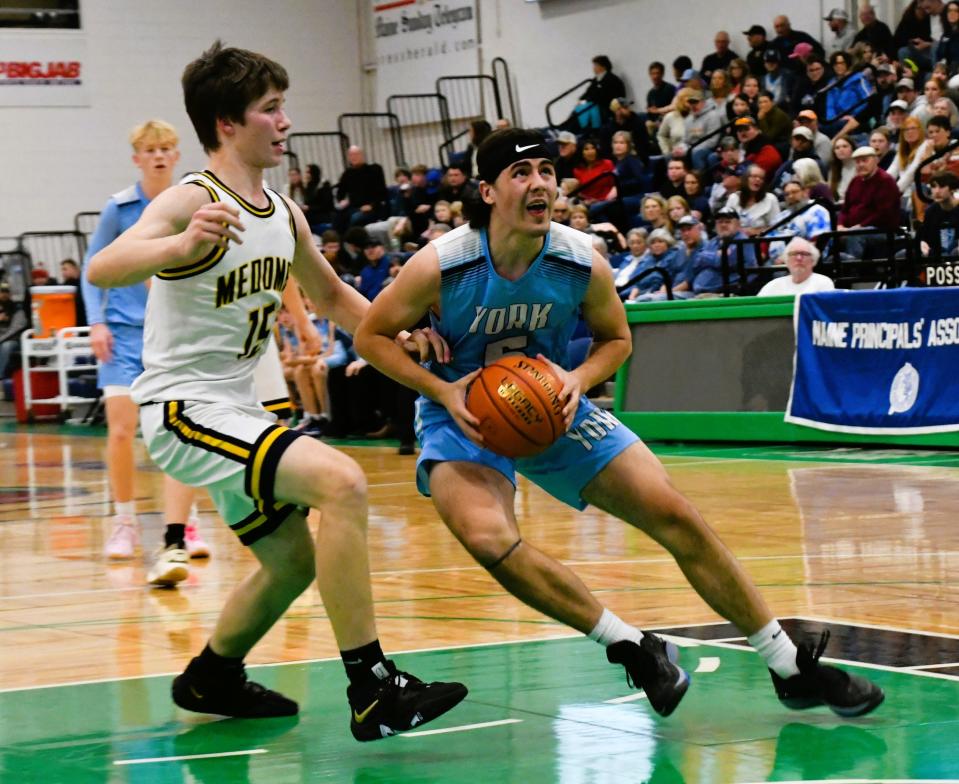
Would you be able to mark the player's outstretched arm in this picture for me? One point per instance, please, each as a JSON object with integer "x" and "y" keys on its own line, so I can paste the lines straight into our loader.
{"x": 330, "y": 296}
{"x": 179, "y": 227}
{"x": 398, "y": 307}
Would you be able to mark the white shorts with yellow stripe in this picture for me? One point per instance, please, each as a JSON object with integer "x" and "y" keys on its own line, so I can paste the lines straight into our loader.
{"x": 231, "y": 450}
{"x": 271, "y": 389}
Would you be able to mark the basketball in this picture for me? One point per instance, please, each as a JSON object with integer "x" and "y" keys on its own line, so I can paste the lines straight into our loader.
{"x": 516, "y": 400}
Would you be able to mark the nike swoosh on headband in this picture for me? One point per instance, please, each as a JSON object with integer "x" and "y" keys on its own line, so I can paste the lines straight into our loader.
{"x": 527, "y": 147}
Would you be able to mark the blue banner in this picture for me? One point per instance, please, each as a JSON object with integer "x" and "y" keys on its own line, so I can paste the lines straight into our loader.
{"x": 883, "y": 362}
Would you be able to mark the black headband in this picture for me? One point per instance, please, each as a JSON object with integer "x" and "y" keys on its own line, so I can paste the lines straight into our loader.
{"x": 493, "y": 158}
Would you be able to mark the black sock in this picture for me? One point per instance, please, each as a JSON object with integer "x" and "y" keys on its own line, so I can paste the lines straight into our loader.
{"x": 174, "y": 535}
{"x": 359, "y": 664}
{"x": 210, "y": 662}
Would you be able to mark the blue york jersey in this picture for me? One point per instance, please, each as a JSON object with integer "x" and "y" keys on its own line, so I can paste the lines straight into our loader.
{"x": 484, "y": 316}
{"x": 125, "y": 304}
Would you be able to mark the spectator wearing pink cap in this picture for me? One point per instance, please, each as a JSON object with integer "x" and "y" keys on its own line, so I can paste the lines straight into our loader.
{"x": 802, "y": 52}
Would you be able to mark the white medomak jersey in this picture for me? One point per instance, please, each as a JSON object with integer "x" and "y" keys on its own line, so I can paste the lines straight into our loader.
{"x": 208, "y": 322}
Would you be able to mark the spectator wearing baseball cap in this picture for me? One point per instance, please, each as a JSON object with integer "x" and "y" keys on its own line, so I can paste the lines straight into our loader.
{"x": 872, "y": 201}
{"x": 802, "y": 145}
{"x": 756, "y": 36}
{"x": 885, "y": 79}
{"x": 568, "y": 146}
{"x": 706, "y": 275}
{"x": 779, "y": 81}
{"x": 840, "y": 35}
{"x": 756, "y": 147}
{"x": 823, "y": 144}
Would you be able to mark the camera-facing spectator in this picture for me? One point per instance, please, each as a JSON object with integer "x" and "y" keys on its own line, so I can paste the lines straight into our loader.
{"x": 800, "y": 256}
{"x": 939, "y": 233}
{"x": 719, "y": 59}
{"x": 757, "y": 207}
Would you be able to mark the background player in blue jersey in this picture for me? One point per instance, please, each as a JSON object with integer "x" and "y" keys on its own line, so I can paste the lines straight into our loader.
{"x": 116, "y": 318}
{"x": 513, "y": 282}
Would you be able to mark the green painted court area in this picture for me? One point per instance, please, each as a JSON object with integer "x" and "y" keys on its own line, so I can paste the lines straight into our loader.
{"x": 543, "y": 711}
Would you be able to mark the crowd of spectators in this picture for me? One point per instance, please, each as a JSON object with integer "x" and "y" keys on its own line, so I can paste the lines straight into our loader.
{"x": 795, "y": 137}
{"x": 770, "y": 134}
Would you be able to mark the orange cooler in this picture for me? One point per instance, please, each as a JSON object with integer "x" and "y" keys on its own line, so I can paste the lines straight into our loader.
{"x": 54, "y": 308}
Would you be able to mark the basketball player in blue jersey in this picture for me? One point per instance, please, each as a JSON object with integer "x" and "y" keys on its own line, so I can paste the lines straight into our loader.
{"x": 115, "y": 317}
{"x": 513, "y": 282}
{"x": 222, "y": 248}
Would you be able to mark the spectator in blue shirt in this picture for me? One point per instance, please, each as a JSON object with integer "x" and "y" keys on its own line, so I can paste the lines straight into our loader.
{"x": 706, "y": 272}
{"x": 376, "y": 271}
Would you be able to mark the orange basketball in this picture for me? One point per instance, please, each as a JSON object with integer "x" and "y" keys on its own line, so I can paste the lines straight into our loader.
{"x": 516, "y": 400}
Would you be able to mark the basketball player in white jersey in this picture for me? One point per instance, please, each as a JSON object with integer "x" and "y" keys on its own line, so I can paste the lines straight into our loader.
{"x": 222, "y": 248}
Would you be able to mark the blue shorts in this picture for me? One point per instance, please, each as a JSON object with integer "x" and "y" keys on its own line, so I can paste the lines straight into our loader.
{"x": 127, "y": 360}
{"x": 563, "y": 470}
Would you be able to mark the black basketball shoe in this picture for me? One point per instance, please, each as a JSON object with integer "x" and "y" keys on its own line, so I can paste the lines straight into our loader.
{"x": 652, "y": 666}
{"x": 821, "y": 684}
{"x": 401, "y": 702}
{"x": 228, "y": 693}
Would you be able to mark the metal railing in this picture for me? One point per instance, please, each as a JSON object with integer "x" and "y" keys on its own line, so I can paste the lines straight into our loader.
{"x": 278, "y": 177}
{"x": 471, "y": 98}
{"x": 821, "y": 94}
{"x": 425, "y": 120}
{"x": 893, "y": 265}
{"x": 788, "y": 217}
{"x": 327, "y": 149}
{"x": 920, "y": 193}
{"x": 501, "y": 74}
{"x": 633, "y": 281}
{"x": 47, "y": 249}
{"x": 380, "y": 136}
{"x": 549, "y": 106}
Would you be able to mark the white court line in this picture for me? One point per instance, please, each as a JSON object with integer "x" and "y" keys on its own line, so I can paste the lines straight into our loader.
{"x": 616, "y": 562}
{"x": 707, "y": 664}
{"x": 190, "y": 757}
{"x": 875, "y": 626}
{"x": 932, "y": 666}
{"x": 628, "y": 698}
{"x": 461, "y": 728}
{"x": 688, "y": 641}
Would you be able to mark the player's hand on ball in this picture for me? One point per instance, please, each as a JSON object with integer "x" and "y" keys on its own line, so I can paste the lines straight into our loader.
{"x": 570, "y": 393}
{"x": 212, "y": 226}
{"x": 454, "y": 399}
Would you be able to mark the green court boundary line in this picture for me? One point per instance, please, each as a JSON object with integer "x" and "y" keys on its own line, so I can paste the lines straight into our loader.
{"x": 686, "y": 642}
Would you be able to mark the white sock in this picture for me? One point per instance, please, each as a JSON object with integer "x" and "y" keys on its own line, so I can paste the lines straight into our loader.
{"x": 194, "y": 513}
{"x": 611, "y": 628}
{"x": 125, "y": 508}
{"x": 774, "y": 645}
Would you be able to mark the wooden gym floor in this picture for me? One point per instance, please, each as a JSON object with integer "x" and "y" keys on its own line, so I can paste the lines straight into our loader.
{"x": 862, "y": 542}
